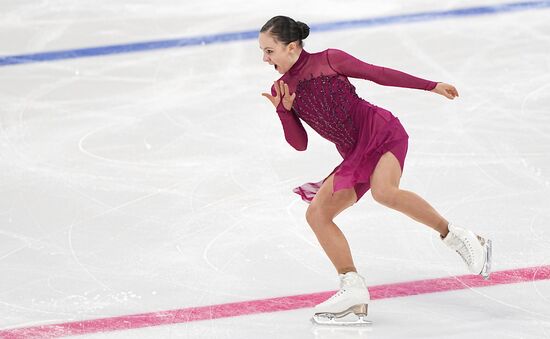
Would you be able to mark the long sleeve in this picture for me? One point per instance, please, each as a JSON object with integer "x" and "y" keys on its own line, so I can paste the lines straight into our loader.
{"x": 349, "y": 66}
{"x": 295, "y": 134}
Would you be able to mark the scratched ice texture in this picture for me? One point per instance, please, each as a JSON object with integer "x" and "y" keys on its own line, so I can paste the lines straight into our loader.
{"x": 161, "y": 180}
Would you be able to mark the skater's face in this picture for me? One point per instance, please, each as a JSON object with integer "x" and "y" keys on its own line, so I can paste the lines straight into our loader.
{"x": 277, "y": 54}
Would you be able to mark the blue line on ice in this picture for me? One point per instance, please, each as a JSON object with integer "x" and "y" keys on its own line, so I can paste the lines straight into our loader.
{"x": 248, "y": 35}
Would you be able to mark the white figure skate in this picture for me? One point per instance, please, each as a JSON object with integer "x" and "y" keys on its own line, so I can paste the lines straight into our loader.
{"x": 473, "y": 249}
{"x": 352, "y": 298}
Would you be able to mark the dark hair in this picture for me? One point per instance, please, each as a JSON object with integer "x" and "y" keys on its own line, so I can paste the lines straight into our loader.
{"x": 286, "y": 30}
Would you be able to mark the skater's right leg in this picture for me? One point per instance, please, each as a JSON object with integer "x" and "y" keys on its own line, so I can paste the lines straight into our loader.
{"x": 353, "y": 296}
{"x": 324, "y": 207}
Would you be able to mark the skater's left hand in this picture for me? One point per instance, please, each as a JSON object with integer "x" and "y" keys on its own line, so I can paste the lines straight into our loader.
{"x": 448, "y": 91}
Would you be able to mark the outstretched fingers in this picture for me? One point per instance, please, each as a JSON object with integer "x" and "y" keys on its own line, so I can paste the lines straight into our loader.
{"x": 278, "y": 88}
{"x": 287, "y": 92}
{"x": 274, "y": 98}
{"x": 269, "y": 96}
{"x": 282, "y": 92}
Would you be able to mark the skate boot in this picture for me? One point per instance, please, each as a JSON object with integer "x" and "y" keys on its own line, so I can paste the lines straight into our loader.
{"x": 473, "y": 249}
{"x": 352, "y": 298}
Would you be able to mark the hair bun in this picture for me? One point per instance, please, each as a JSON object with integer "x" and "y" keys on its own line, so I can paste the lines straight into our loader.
{"x": 304, "y": 29}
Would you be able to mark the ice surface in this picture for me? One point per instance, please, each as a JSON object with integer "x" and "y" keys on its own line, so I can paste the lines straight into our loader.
{"x": 161, "y": 180}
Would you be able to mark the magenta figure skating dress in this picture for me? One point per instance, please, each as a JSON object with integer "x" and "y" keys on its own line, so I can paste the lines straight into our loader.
{"x": 327, "y": 102}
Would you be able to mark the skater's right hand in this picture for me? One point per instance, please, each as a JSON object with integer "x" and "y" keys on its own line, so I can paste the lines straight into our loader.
{"x": 288, "y": 99}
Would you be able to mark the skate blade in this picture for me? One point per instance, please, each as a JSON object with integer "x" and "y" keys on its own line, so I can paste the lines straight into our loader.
{"x": 486, "y": 271}
{"x": 339, "y": 319}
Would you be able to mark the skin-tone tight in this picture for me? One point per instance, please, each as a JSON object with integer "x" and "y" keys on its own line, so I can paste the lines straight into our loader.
{"x": 325, "y": 206}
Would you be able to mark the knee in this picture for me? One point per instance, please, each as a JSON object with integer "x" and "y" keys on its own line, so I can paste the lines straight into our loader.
{"x": 386, "y": 196}
{"x": 315, "y": 215}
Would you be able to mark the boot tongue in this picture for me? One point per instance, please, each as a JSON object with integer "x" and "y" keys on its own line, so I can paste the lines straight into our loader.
{"x": 452, "y": 241}
{"x": 349, "y": 279}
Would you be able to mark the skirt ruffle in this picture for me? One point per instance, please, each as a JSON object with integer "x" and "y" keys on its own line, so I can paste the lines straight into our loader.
{"x": 379, "y": 132}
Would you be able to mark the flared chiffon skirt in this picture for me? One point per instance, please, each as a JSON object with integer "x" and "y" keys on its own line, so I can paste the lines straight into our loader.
{"x": 378, "y": 132}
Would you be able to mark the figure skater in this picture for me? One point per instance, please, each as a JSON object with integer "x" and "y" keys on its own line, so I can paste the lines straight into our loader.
{"x": 314, "y": 87}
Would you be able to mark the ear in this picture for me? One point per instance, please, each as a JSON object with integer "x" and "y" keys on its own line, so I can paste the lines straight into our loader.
{"x": 291, "y": 47}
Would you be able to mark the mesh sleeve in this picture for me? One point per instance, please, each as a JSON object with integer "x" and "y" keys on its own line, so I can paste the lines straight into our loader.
{"x": 294, "y": 131}
{"x": 347, "y": 65}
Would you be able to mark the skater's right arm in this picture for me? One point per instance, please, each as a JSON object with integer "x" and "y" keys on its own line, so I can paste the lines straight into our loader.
{"x": 295, "y": 134}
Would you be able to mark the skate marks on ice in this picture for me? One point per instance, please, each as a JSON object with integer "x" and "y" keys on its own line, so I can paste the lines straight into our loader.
{"x": 287, "y": 303}
{"x": 331, "y": 332}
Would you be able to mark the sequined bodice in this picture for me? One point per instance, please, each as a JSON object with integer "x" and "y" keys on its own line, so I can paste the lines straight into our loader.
{"x": 326, "y": 100}
{"x": 325, "y": 104}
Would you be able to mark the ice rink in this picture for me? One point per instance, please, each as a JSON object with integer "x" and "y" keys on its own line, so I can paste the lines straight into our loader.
{"x": 141, "y": 188}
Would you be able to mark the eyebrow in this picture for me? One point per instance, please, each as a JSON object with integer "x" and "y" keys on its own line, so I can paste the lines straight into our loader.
{"x": 265, "y": 48}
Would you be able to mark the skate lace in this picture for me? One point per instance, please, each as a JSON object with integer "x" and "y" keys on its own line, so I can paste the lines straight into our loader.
{"x": 338, "y": 294}
{"x": 465, "y": 251}
{"x": 346, "y": 281}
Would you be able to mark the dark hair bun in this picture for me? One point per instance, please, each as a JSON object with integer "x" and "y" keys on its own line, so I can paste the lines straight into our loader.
{"x": 286, "y": 30}
{"x": 304, "y": 29}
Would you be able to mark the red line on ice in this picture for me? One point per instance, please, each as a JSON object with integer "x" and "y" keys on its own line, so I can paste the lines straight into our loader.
{"x": 271, "y": 305}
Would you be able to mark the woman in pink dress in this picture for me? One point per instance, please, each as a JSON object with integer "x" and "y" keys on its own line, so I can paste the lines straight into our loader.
{"x": 314, "y": 88}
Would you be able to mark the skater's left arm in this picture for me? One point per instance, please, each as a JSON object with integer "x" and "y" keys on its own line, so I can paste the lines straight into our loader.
{"x": 448, "y": 91}
{"x": 347, "y": 65}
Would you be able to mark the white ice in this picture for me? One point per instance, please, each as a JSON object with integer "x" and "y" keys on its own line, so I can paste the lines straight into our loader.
{"x": 161, "y": 180}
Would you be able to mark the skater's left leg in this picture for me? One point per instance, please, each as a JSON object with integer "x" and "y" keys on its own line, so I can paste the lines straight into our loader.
{"x": 385, "y": 190}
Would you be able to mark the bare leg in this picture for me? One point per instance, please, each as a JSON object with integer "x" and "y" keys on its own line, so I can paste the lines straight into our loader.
{"x": 324, "y": 207}
{"x": 385, "y": 190}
